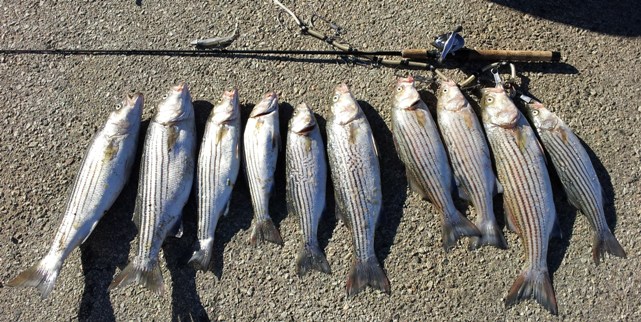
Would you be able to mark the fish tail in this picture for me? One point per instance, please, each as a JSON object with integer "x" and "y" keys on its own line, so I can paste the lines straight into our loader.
{"x": 491, "y": 235}
{"x": 42, "y": 276}
{"x": 364, "y": 273}
{"x": 311, "y": 257}
{"x": 533, "y": 284}
{"x": 456, "y": 227}
{"x": 603, "y": 243}
{"x": 201, "y": 259}
{"x": 264, "y": 230}
{"x": 149, "y": 277}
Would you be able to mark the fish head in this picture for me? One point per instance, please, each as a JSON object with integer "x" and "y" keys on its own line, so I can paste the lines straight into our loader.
{"x": 541, "y": 117}
{"x": 449, "y": 96}
{"x": 126, "y": 114}
{"x": 344, "y": 109}
{"x": 405, "y": 94}
{"x": 227, "y": 109}
{"x": 303, "y": 120}
{"x": 267, "y": 105}
{"x": 176, "y": 105}
{"x": 497, "y": 108}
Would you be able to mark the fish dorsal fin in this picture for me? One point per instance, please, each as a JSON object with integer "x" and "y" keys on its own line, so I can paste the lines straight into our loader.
{"x": 414, "y": 186}
{"x": 90, "y": 230}
{"x": 510, "y": 220}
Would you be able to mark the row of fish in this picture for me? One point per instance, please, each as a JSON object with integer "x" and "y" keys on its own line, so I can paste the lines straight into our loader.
{"x": 168, "y": 168}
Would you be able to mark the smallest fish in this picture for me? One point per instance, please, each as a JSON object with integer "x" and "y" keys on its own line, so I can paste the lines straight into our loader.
{"x": 217, "y": 42}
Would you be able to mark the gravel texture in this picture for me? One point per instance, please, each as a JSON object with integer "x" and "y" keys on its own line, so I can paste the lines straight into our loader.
{"x": 51, "y": 106}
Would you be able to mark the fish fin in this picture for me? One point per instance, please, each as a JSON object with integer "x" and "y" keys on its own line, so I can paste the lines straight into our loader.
{"x": 533, "y": 284}
{"x": 90, "y": 230}
{"x": 264, "y": 230}
{"x": 463, "y": 194}
{"x": 364, "y": 273}
{"x": 498, "y": 188}
{"x": 374, "y": 145}
{"x": 276, "y": 142}
{"x": 414, "y": 186}
{"x": 42, "y": 276}
{"x": 509, "y": 219}
{"x": 177, "y": 230}
{"x": 137, "y": 212}
{"x": 149, "y": 278}
{"x": 201, "y": 259}
{"x": 556, "y": 232}
{"x": 226, "y": 213}
{"x": 491, "y": 235}
{"x": 455, "y": 227}
{"x": 311, "y": 257}
{"x": 338, "y": 210}
{"x": 606, "y": 243}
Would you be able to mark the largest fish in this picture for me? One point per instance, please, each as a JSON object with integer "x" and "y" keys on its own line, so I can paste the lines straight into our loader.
{"x": 578, "y": 177}
{"x": 527, "y": 193}
{"x": 166, "y": 176}
{"x": 104, "y": 171}
{"x": 357, "y": 186}
{"x": 420, "y": 148}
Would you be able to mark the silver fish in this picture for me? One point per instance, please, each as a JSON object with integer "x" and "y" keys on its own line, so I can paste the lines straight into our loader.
{"x": 261, "y": 144}
{"x": 104, "y": 171}
{"x": 527, "y": 193}
{"x": 166, "y": 176}
{"x": 356, "y": 176}
{"x": 577, "y": 174}
{"x": 217, "y": 42}
{"x": 306, "y": 179}
{"x": 217, "y": 170}
{"x": 470, "y": 157}
{"x": 420, "y": 148}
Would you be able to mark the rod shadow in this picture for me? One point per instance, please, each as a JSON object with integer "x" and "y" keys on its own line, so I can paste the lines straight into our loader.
{"x": 607, "y": 17}
{"x": 108, "y": 247}
{"x": 393, "y": 181}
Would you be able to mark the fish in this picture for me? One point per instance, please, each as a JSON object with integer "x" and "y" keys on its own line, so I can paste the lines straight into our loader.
{"x": 166, "y": 176}
{"x": 527, "y": 193}
{"x": 261, "y": 143}
{"x": 217, "y": 42}
{"x": 470, "y": 157}
{"x": 577, "y": 174}
{"x": 356, "y": 177}
{"x": 420, "y": 148}
{"x": 216, "y": 174}
{"x": 306, "y": 172}
{"x": 103, "y": 174}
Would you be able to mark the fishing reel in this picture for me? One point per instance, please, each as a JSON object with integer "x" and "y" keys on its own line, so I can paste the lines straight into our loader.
{"x": 449, "y": 43}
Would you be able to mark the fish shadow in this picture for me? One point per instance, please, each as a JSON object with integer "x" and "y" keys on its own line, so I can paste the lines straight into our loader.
{"x": 394, "y": 182}
{"x": 108, "y": 247}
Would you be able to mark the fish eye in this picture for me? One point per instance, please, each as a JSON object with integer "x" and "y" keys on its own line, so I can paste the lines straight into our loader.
{"x": 398, "y": 89}
{"x": 535, "y": 112}
{"x": 118, "y": 106}
{"x": 489, "y": 99}
{"x": 444, "y": 90}
{"x": 335, "y": 98}
{"x": 165, "y": 96}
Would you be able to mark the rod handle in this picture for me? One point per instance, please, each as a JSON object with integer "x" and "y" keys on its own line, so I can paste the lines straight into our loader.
{"x": 467, "y": 54}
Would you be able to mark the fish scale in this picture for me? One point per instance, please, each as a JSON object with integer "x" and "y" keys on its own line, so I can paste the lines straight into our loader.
{"x": 166, "y": 176}
{"x": 527, "y": 193}
{"x": 471, "y": 163}
{"x": 577, "y": 174}
{"x": 103, "y": 173}
{"x": 356, "y": 177}
{"x": 306, "y": 170}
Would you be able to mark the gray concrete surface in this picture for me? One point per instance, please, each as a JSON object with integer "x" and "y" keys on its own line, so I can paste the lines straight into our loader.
{"x": 52, "y": 105}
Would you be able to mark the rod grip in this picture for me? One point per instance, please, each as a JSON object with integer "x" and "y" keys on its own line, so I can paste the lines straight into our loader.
{"x": 416, "y": 53}
{"x": 508, "y": 55}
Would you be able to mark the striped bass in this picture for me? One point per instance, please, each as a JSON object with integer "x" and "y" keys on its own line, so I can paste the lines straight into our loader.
{"x": 527, "y": 193}
{"x": 306, "y": 179}
{"x": 470, "y": 157}
{"x": 420, "y": 148}
{"x": 103, "y": 173}
{"x": 261, "y": 144}
{"x": 166, "y": 176}
{"x": 217, "y": 170}
{"x": 356, "y": 176}
{"x": 577, "y": 175}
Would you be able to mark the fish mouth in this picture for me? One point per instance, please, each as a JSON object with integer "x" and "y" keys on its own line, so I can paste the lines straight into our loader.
{"x": 132, "y": 98}
{"x": 307, "y": 129}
